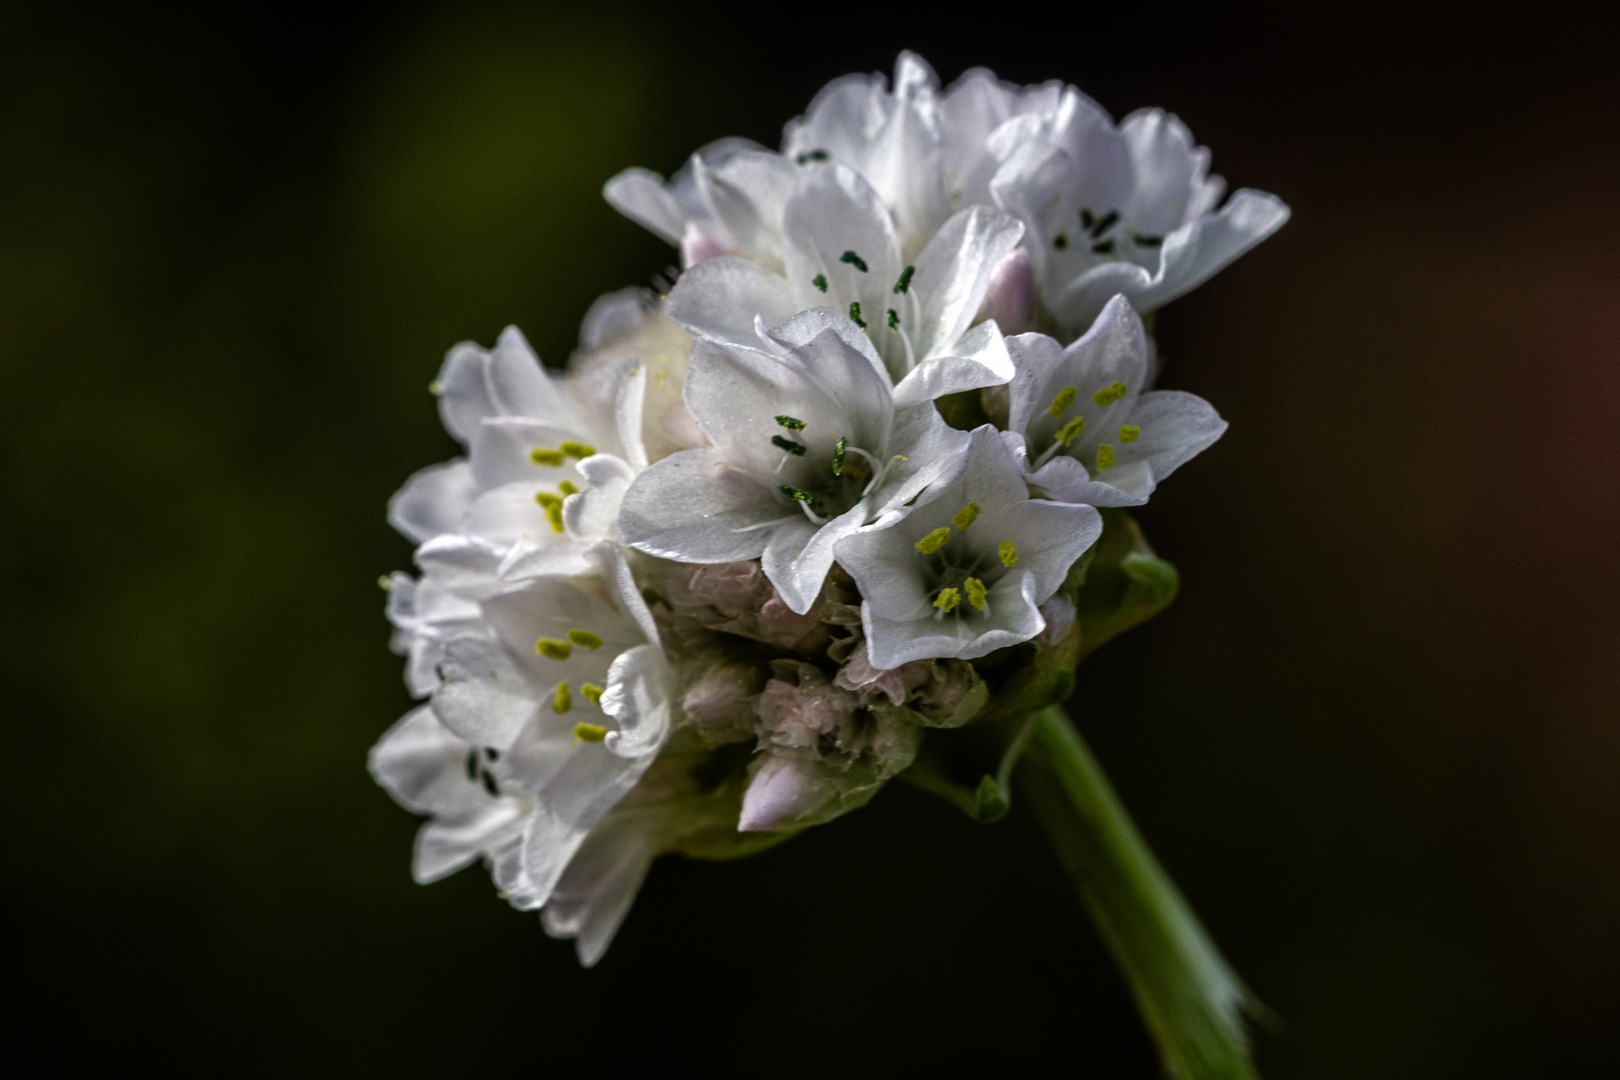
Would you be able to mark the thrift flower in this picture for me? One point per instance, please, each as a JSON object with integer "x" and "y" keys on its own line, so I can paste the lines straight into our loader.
{"x": 1085, "y": 427}
{"x": 962, "y": 572}
{"x": 808, "y": 446}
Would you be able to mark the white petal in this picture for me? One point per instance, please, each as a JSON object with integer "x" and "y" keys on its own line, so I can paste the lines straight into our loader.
{"x": 981, "y": 359}
{"x": 485, "y": 698}
{"x": 446, "y": 844}
{"x": 433, "y": 500}
{"x": 1175, "y": 427}
{"x": 593, "y": 514}
{"x": 463, "y": 389}
{"x": 721, "y": 297}
{"x": 423, "y": 765}
{"x": 954, "y": 273}
{"x": 691, "y": 505}
{"x": 639, "y": 195}
{"x": 637, "y": 697}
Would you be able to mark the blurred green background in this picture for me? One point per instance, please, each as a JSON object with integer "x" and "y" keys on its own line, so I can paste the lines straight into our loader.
{"x": 1375, "y": 739}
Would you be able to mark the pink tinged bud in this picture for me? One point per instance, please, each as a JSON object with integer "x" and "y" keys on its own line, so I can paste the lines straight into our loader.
{"x": 784, "y": 788}
{"x": 697, "y": 245}
{"x": 1010, "y": 299}
{"x": 1059, "y": 616}
{"x": 724, "y": 695}
{"x": 800, "y": 715}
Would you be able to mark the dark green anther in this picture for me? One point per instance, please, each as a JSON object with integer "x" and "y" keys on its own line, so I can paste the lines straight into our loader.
{"x": 905, "y": 279}
{"x": 472, "y": 764}
{"x": 1147, "y": 241}
{"x": 854, "y": 260}
{"x": 1060, "y": 241}
{"x": 794, "y": 493}
{"x": 1104, "y": 223}
{"x": 1087, "y": 218}
{"x": 811, "y": 155}
{"x": 490, "y": 785}
{"x": 787, "y": 444}
{"x": 894, "y": 319}
{"x": 792, "y": 423}
{"x": 855, "y": 314}
{"x": 820, "y": 282}
{"x": 1104, "y": 248}
{"x": 838, "y": 455}
{"x": 491, "y": 753}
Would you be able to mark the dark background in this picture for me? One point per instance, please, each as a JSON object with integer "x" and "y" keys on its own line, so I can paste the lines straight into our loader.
{"x": 1375, "y": 740}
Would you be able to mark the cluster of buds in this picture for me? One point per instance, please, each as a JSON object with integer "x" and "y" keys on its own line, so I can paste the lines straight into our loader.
{"x": 846, "y": 504}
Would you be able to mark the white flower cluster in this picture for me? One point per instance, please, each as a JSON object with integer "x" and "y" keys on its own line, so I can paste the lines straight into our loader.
{"x": 715, "y": 582}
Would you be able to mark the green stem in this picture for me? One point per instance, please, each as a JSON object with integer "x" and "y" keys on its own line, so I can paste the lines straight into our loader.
{"x": 1192, "y": 1002}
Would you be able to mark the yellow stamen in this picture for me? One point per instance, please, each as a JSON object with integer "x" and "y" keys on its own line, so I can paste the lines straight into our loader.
{"x": 1008, "y": 552}
{"x": 1061, "y": 403}
{"x": 1130, "y": 433}
{"x": 585, "y": 639}
{"x": 947, "y": 599}
{"x": 1105, "y": 456}
{"x": 590, "y": 732}
{"x": 934, "y": 540}
{"x": 548, "y": 500}
{"x": 576, "y": 449}
{"x": 975, "y": 592}
{"x": 966, "y": 516}
{"x": 1071, "y": 431}
{"x": 541, "y": 456}
{"x": 1109, "y": 394}
{"x": 554, "y": 515}
{"x": 592, "y": 693}
{"x": 567, "y": 488}
{"x": 553, "y": 648}
{"x": 563, "y": 701}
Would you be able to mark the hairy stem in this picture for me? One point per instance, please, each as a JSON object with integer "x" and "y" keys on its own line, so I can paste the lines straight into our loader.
{"x": 1192, "y": 1002}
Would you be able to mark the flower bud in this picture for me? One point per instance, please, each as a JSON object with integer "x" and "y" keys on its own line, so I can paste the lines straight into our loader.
{"x": 1059, "y": 616}
{"x": 786, "y": 786}
{"x": 1010, "y": 299}
{"x": 799, "y": 706}
{"x": 697, "y": 245}
{"x": 724, "y": 696}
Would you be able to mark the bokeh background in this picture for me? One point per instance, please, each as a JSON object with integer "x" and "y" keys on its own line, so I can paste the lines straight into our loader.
{"x": 1376, "y": 740}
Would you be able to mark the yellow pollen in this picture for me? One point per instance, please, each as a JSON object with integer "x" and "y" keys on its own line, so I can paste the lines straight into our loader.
{"x": 554, "y": 515}
{"x": 576, "y": 449}
{"x": 541, "y": 456}
{"x": 548, "y": 500}
{"x": 563, "y": 702}
{"x": 1071, "y": 431}
{"x": 1130, "y": 433}
{"x": 585, "y": 639}
{"x": 966, "y": 516}
{"x": 592, "y": 693}
{"x": 1105, "y": 456}
{"x": 1107, "y": 395}
{"x": 947, "y": 599}
{"x": 590, "y": 732}
{"x": 1061, "y": 403}
{"x": 553, "y": 648}
{"x": 934, "y": 540}
{"x": 1008, "y": 552}
{"x": 567, "y": 488}
{"x": 975, "y": 592}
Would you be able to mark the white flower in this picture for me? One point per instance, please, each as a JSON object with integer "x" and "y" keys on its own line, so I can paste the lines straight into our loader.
{"x": 569, "y": 686}
{"x": 962, "y": 572}
{"x": 808, "y": 446}
{"x": 1127, "y": 208}
{"x": 544, "y": 453}
{"x": 1082, "y": 425}
{"x": 840, "y": 250}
